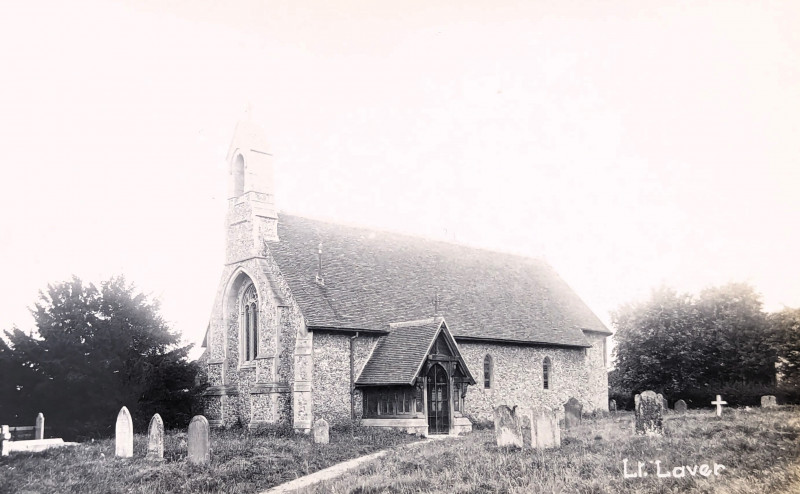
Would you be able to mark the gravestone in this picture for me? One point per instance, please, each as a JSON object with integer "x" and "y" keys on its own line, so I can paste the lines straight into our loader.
{"x": 718, "y": 403}
{"x": 545, "y": 432}
{"x": 612, "y": 405}
{"x": 649, "y": 414}
{"x": 199, "y": 453}
{"x": 768, "y": 401}
{"x": 155, "y": 439}
{"x": 39, "y": 426}
{"x": 572, "y": 413}
{"x": 527, "y": 428}
{"x": 507, "y": 427}
{"x": 680, "y": 406}
{"x": 666, "y": 403}
{"x": 5, "y": 437}
{"x": 124, "y": 434}
{"x": 321, "y": 432}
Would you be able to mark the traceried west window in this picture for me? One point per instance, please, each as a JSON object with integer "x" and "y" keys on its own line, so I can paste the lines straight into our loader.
{"x": 547, "y": 370}
{"x": 488, "y": 370}
{"x": 249, "y": 325}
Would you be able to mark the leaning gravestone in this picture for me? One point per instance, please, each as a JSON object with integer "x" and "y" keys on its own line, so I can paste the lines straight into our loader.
{"x": 155, "y": 439}
{"x": 680, "y": 406}
{"x": 649, "y": 414}
{"x": 666, "y": 403}
{"x": 321, "y": 432}
{"x": 768, "y": 401}
{"x": 124, "y": 434}
{"x": 507, "y": 427}
{"x": 199, "y": 453}
{"x": 544, "y": 430}
{"x": 612, "y": 405}
{"x": 572, "y": 413}
{"x": 39, "y": 427}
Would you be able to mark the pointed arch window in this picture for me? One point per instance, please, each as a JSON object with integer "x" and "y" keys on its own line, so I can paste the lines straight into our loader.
{"x": 488, "y": 372}
{"x": 547, "y": 373}
{"x": 249, "y": 325}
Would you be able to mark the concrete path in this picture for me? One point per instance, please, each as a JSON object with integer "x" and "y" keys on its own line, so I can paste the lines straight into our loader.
{"x": 324, "y": 474}
{"x": 339, "y": 469}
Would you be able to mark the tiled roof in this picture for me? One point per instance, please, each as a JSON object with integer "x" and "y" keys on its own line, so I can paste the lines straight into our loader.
{"x": 372, "y": 278}
{"x": 398, "y": 356}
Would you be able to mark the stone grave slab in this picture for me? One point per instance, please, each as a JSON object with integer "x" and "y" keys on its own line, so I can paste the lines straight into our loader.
{"x": 768, "y": 401}
{"x": 507, "y": 427}
{"x": 321, "y": 432}
{"x": 39, "y": 426}
{"x": 680, "y": 406}
{"x": 545, "y": 432}
{"x": 612, "y": 405}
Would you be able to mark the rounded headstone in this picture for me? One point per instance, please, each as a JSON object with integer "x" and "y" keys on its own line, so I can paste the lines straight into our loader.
{"x": 572, "y": 413}
{"x": 680, "y": 406}
{"x": 39, "y": 426}
{"x": 198, "y": 443}
{"x": 649, "y": 414}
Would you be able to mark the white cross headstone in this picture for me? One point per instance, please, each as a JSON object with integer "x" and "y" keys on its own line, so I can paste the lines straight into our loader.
{"x": 719, "y": 404}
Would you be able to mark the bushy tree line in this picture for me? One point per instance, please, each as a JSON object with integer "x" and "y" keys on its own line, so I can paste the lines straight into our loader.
{"x": 691, "y": 347}
{"x": 94, "y": 350}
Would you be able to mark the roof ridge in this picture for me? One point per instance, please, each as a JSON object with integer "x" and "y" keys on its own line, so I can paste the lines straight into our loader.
{"x": 416, "y": 322}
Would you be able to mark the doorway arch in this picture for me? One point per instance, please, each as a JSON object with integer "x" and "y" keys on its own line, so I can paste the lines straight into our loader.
{"x": 438, "y": 400}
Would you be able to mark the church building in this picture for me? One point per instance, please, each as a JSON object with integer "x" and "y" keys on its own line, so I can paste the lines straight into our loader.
{"x": 318, "y": 320}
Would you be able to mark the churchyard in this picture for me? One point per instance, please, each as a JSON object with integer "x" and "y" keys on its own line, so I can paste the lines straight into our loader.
{"x": 754, "y": 450}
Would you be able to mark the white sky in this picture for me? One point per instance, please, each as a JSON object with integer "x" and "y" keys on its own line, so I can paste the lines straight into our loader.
{"x": 630, "y": 143}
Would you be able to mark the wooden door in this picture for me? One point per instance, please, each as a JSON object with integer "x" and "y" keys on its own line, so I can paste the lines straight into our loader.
{"x": 438, "y": 401}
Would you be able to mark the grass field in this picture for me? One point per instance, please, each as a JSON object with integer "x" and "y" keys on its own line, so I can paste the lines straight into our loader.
{"x": 240, "y": 463}
{"x": 760, "y": 450}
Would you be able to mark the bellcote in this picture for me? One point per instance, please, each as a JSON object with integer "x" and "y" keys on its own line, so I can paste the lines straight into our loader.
{"x": 252, "y": 217}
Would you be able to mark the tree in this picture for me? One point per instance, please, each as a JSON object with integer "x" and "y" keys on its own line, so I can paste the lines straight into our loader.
{"x": 653, "y": 344}
{"x": 786, "y": 331}
{"x": 95, "y": 350}
{"x": 676, "y": 344}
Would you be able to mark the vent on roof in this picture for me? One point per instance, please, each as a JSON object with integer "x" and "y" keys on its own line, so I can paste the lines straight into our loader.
{"x": 318, "y": 278}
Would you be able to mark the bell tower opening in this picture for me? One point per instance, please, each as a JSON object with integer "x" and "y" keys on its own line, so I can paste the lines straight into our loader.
{"x": 238, "y": 176}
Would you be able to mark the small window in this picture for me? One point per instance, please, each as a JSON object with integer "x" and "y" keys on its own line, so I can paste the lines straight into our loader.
{"x": 546, "y": 373}
{"x": 487, "y": 372}
{"x": 457, "y": 398}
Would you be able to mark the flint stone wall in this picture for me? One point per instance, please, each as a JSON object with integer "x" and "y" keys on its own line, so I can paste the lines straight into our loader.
{"x": 331, "y": 380}
{"x": 518, "y": 377}
{"x": 256, "y": 392}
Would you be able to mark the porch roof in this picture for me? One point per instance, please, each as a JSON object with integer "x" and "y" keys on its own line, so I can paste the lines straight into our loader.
{"x": 398, "y": 356}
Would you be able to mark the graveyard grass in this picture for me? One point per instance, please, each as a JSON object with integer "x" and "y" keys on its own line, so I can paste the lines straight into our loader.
{"x": 760, "y": 449}
{"x": 240, "y": 463}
